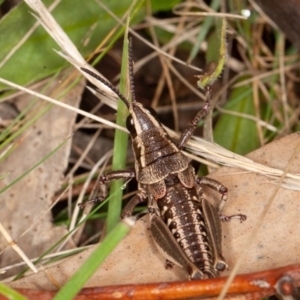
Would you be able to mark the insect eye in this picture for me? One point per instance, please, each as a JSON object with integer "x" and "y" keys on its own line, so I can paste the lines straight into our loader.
{"x": 130, "y": 125}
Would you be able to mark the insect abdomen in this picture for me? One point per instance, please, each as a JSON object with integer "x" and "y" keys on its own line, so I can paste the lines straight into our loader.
{"x": 181, "y": 210}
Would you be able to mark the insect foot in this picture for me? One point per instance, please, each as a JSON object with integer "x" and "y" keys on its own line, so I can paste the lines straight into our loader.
{"x": 241, "y": 217}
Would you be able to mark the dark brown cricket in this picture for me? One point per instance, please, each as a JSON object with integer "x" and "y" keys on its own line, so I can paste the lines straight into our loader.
{"x": 186, "y": 228}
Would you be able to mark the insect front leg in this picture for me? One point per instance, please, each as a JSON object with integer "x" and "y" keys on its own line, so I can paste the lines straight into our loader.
{"x": 191, "y": 126}
{"x": 223, "y": 190}
{"x": 113, "y": 175}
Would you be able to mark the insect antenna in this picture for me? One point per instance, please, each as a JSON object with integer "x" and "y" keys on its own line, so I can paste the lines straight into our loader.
{"x": 131, "y": 73}
{"x": 108, "y": 84}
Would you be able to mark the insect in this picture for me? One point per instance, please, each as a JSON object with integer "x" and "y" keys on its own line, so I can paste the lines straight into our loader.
{"x": 185, "y": 226}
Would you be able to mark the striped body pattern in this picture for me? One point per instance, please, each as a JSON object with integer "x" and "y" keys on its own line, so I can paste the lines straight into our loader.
{"x": 168, "y": 181}
{"x": 167, "y": 178}
{"x": 182, "y": 212}
{"x": 185, "y": 227}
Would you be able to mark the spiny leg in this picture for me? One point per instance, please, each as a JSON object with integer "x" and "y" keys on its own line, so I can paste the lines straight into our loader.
{"x": 223, "y": 190}
{"x": 217, "y": 186}
{"x": 191, "y": 126}
{"x": 113, "y": 175}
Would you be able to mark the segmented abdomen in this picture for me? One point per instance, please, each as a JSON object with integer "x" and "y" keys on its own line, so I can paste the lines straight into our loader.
{"x": 181, "y": 210}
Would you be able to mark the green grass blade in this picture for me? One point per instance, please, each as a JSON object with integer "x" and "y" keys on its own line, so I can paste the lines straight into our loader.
{"x": 10, "y": 293}
{"x": 33, "y": 167}
{"x": 214, "y": 70}
{"x": 85, "y": 22}
{"x": 62, "y": 239}
{"x": 235, "y": 133}
{"x": 14, "y": 135}
{"x": 74, "y": 284}
{"x": 120, "y": 148}
{"x": 206, "y": 26}
{"x": 7, "y": 131}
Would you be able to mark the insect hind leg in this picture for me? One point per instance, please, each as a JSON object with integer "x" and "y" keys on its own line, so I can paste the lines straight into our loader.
{"x": 223, "y": 190}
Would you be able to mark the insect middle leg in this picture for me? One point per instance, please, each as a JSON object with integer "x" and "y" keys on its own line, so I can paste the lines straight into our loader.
{"x": 139, "y": 197}
{"x": 223, "y": 190}
{"x": 113, "y": 175}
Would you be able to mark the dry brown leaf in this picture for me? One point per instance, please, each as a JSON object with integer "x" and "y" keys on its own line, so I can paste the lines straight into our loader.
{"x": 277, "y": 242}
{"x": 136, "y": 259}
{"x": 28, "y": 199}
